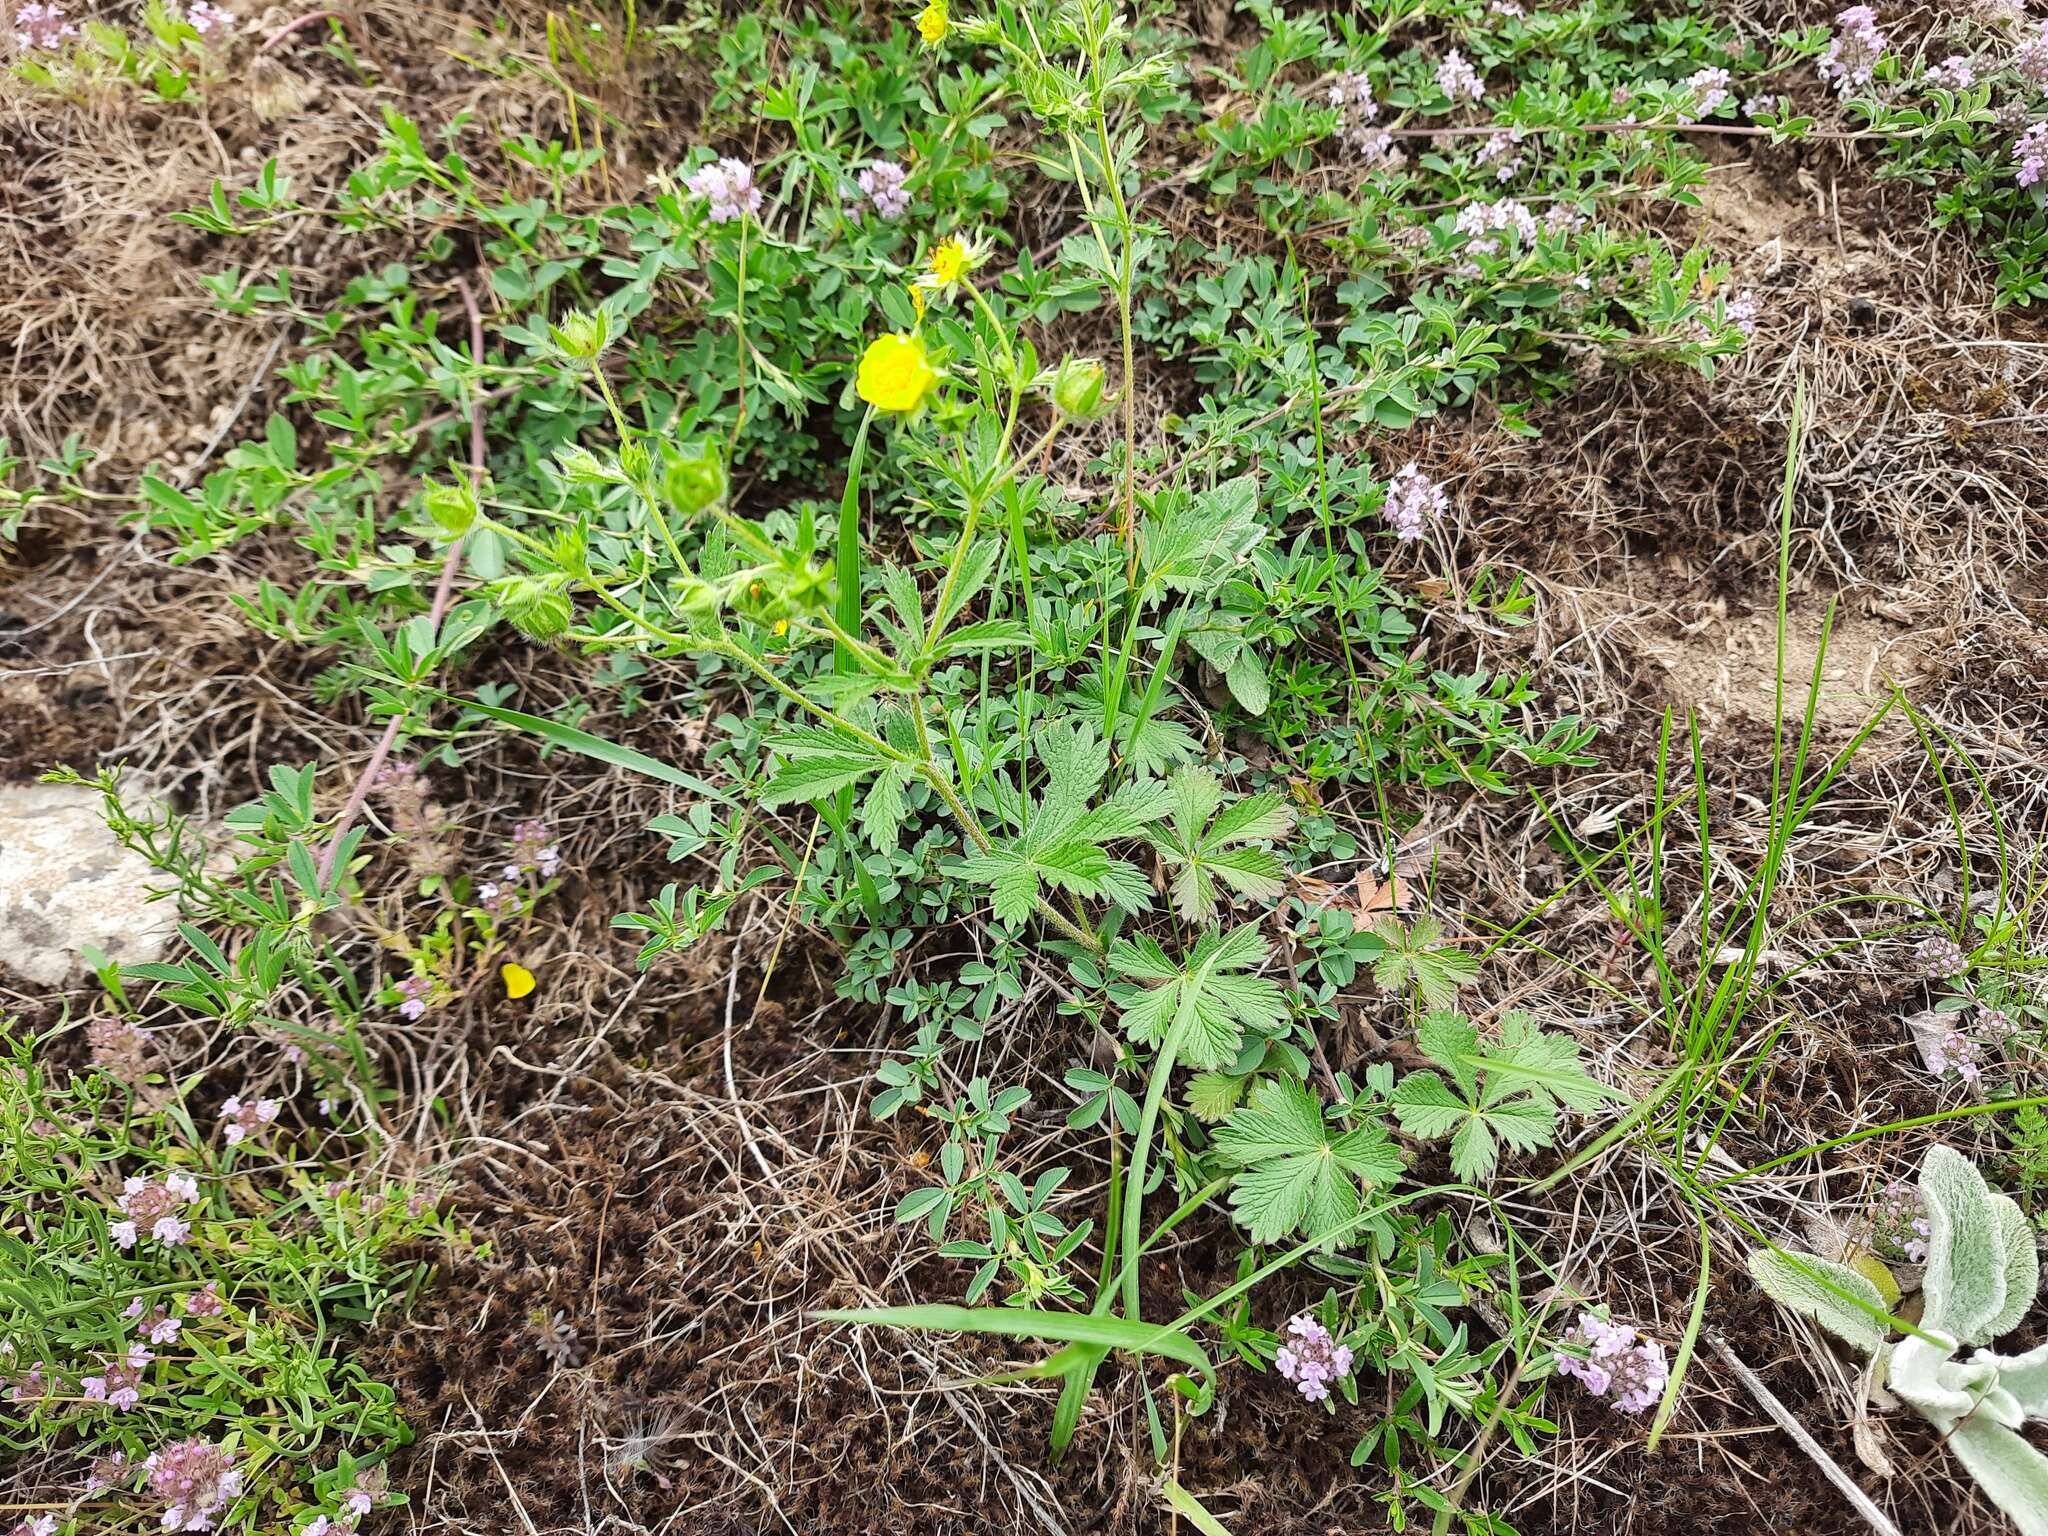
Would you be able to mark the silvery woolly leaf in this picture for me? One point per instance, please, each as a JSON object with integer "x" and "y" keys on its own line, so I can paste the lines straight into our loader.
{"x": 2026, "y": 1378}
{"x": 1808, "y": 1285}
{"x": 1926, "y": 1376}
{"x": 1965, "y": 1280}
{"x": 2022, "y": 1266}
{"x": 2013, "y": 1475}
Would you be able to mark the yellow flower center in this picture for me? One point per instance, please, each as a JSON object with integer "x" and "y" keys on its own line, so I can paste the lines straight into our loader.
{"x": 949, "y": 261}
{"x": 895, "y": 373}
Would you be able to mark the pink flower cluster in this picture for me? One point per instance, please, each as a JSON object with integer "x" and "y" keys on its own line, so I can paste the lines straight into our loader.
{"x": 1413, "y": 501}
{"x": 155, "y": 1206}
{"x": 1852, "y": 56}
{"x": 1939, "y": 955}
{"x": 728, "y": 185}
{"x": 155, "y": 1324}
{"x": 2030, "y": 155}
{"x": 1502, "y": 151}
{"x": 119, "y": 1382}
{"x": 208, "y": 19}
{"x": 882, "y": 184}
{"x": 245, "y": 1117}
{"x": 1709, "y": 87}
{"x": 43, "y": 27}
{"x": 1957, "y": 1055}
{"x": 1954, "y": 73}
{"x": 1457, "y": 79}
{"x": 195, "y": 1479}
{"x": 1630, "y": 1373}
{"x": 1374, "y": 146}
{"x": 1311, "y": 1359}
{"x": 1899, "y": 1228}
{"x": 533, "y": 849}
{"x": 2030, "y": 59}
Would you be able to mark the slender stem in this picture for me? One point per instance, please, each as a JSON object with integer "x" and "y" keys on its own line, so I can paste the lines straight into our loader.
{"x": 1141, "y": 1152}
{"x": 444, "y": 596}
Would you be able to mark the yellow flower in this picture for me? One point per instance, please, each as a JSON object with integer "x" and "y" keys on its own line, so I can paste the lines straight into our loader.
{"x": 949, "y": 262}
{"x": 917, "y": 300}
{"x": 932, "y": 23}
{"x": 518, "y": 979}
{"x": 895, "y": 373}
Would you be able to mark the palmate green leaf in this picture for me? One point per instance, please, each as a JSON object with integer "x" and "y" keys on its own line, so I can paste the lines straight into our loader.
{"x": 1207, "y": 998}
{"x": 1413, "y": 957}
{"x": 1297, "y": 1175}
{"x": 1213, "y": 1095}
{"x": 1508, "y": 1093}
{"x": 1062, "y": 845}
{"x": 1199, "y": 540}
{"x": 1206, "y": 843}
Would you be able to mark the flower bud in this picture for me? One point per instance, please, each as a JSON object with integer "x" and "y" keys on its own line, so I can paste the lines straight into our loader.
{"x": 634, "y": 462}
{"x": 536, "y": 607}
{"x": 694, "y": 477}
{"x": 1077, "y": 388}
{"x": 583, "y": 334}
{"x": 452, "y": 507}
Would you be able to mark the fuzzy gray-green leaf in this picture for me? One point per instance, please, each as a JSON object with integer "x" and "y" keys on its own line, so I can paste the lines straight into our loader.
{"x": 1800, "y": 1282}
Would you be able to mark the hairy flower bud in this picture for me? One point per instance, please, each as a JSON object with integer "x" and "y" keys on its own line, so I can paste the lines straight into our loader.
{"x": 583, "y": 334}
{"x": 694, "y": 477}
{"x": 1077, "y": 388}
{"x": 452, "y": 507}
{"x": 535, "y": 606}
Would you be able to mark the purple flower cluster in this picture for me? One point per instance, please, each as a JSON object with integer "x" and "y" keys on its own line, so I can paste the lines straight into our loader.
{"x": 207, "y": 19}
{"x": 1957, "y": 1055}
{"x": 121, "y": 1050}
{"x": 1741, "y": 313}
{"x": 882, "y": 184}
{"x": 113, "y": 1470}
{"x": 155, "y": 1206}
{"x": 1852, "y": 56}
{"x": 38, "y": 26}
{"x": 1311, "y": 1359}
{"x": 413, "y": 994}
{"x": 118, "y": 1384}
{"x": 1630, "y": 1373}
{"x": 1373, "y": 145}
{"x": 155, "y": 1324}
{"x": 245, "y": 1117}
{"x": 1456, "y": 78}
{"x": 1940, "y": 956}
{"x": 1899, "y": 1228}
{"x": 1413, "y": 501}
{"x": 1954, "y": 73}
{"x": 1502, "y": 151}
{"x": 41, "y": 1525}
{"x": 1709, "y": 87}
{"x": 195, "y": 1479}
{"x": 2030, "y": 155}
{"x": 533, "y": 849}
{"x": 2030, "y": 59}
{"x": 728, "y": 185}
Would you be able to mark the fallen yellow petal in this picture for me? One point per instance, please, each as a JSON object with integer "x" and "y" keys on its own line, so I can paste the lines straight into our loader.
{"x": 518, "y": 979}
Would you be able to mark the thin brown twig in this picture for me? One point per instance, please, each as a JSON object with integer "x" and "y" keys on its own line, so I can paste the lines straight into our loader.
{"x": 444, "y": 594}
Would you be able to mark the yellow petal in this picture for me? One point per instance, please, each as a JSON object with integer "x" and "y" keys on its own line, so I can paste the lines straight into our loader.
{"x": 894, "y": 373}
{"x": 518, "y": 979}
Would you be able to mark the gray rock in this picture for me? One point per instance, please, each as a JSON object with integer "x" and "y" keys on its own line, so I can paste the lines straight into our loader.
{"x": 65, "y": 882}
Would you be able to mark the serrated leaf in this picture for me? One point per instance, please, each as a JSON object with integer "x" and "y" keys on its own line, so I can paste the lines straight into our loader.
{"x": 1213, "y": 1095}
{"x": 1296, "y": 1174}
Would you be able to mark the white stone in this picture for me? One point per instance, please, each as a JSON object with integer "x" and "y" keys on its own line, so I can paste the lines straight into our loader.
{"x": 66, "y": 882}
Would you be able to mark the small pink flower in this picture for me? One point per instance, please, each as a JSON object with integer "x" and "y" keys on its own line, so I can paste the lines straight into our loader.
{"x": 728, "y": 185}
{"x": 204, "y": 1302}
{"x": 245, "y": 1119}
{"x": 207, "y": 19}
{"x": 1456, "y": 78}
{"x": 41, "y": 27}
